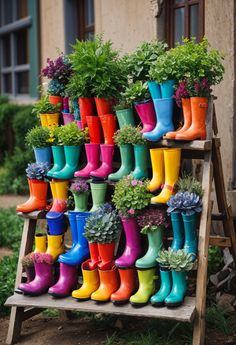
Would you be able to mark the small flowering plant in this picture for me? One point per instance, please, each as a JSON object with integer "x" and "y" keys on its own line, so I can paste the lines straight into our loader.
{"x": 152, "y": 219}
{"x": 59, "y": 69}
{"x": 54, "y": 136}
{"x": 131, "y": 196}
{"x": 185, "y": 202}
{"x": 79, "y": 187}
{"x": 129, "y": 135}
{"x": 37, "y": 171}
{"x": 55, "y": 88}
{"x": 27, "y": 260}
{"x": 43, "y": 258}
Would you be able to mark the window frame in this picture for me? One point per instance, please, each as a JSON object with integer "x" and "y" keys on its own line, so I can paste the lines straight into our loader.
{"x": 83, "y": 29}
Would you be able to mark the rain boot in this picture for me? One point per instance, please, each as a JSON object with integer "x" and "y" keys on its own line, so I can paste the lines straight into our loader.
{"x": 109, "y": 127}
{"x": 158, "y": 299}
{"x": 190, "y": 232}
{"x": 78, "y": 253}
{"x": 179, "y": 288}
{"x": 154, "y": 89}
{"x": 127, "y": 164}
{"x": 55, "y": 246}
{"x": 146, "y": 287}
{"x": 98, "y": 191}
{"x": 66, "y": 283}
{"x": 53, "y": 120}
{"x": 43, "y": 154}
{"x": 158, "y": 170}
{"x": 90, "y": 283}
{"x": 58, "y": 159}
{"x": 40, "y": 243}
{"x": 133, "y": 248}
{"x": 164, "y": 115}
{"x": 87, "y": 108}
{"x": 125, "y": 117}
{"x": 59, "y": 193}
{"x": 56, "y": 100}
{"x": 65, "y": 105}
{"x": 197, "y": 130}
{"x": 172, "y": 166}
{"x": 30, "y": 274}
{"x": 55, "y": 222}
{"x": 146, "y": 113}
{"x": 94, "y": 256}
{"x": 106, "y": 254}
{"x": 72, "y": 154}
{"x": 109, "y": 283}
{"x": 68, "y": 118}
{"x": 107, "y": 152}
{"x": 93, "y": 162}
{"x": 38, "y": 199}
{"x": 167, "y": 88}
{"x": 178, "y": 230}
{"x": 155, "y": 244}
{"x": 81, "y": 202}
{"x": 30, "y": 197}
{"x": 128, "y": 285}
{"x": 104, "y": 106}
{"x": 141, "y": 162}
{"x": 95, "y": 129}
{"x": 43, "y": 120}
{"x": 187, "y": 113}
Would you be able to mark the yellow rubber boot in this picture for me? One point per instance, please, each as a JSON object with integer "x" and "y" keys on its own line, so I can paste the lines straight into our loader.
{"x": 172, "y": 166}
{"x": 52, "y": 120}
{"x": 90, "y": 283}
{"x": 158, "y": 170}
{"x": 109, "y": 283}
{"x": 60, "y": 190}
{"x": 55, "y": 246}
{"x": 53, "y": 190}
{"x": 40, "y": 241}
{"x": 146, "y": 289}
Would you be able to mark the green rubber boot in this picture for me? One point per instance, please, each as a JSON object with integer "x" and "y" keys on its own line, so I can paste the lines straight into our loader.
{"x": 179, "y": 288}
{"x": 125, "y": 117}
{"x": 81, "y": 202}
{"x": 146, "y": 288}
{"x": 155, "y": 244}
{"x": 158, "y": 299}
{"x": 98, "y": 191}
{"x": 58, "y": 159}
{"x": 141, "y": 162}
{"x": 127, "y": 165}
{"x": 72, "y": 154}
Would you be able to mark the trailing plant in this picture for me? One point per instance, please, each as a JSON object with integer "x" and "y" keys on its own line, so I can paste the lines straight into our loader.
{"x": 189, "y": 183}
{"x": 71, "y": 135}
{"x": 79, "y": 187}
{"x": 175, "y": 260}
{"x": 55, "y": 88}
{"x": 38, "y": 137}
{"x": 103, "y": 226}
{"x": 137, "y": 92}
{"x": 185, "y": 202}
{"x": 54, "y": 135}
{"x": 152, "y": 219}
{"x": 37, "y": 171}
{"x": 130, "y": 196}
{"x": 43, "y": 106}
{"x": 59, "y": 69}
{"x": 27, "y": 260}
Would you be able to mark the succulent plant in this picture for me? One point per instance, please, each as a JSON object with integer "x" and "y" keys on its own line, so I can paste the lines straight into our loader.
{"x": 190, "y": 184}
{"x": 151, "y": 219}
{"x": 175, "y": 260}
{"x": 27, "y": 260}
{"x": 186, "y": 202}
{"x": 163, "y": 258}
{"x": 79, "y": 187}
{"x": 37, "y": 171}
{"x": 103, "y": 226}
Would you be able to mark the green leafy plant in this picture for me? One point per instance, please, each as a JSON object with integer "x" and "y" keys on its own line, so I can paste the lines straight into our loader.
{"x": 137, "y": 92}
{"x": 189, "y": 183}
{"x": 215, "y": 260}
{"x": 71, "y": 135}
{"x": 175, "y": 260}
{"x": 43, "y": 106}
{"x": 122, "y": 103}
{"x": 129, "y": 135}
{"x": 38, "y": 137}
{"x": 54, "y": 136}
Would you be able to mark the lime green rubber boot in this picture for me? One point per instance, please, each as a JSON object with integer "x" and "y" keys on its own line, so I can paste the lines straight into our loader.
{"x": 146, "y": 288}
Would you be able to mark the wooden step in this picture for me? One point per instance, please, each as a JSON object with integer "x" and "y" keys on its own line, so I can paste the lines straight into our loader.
{"x": 33, "y": 215}
{"x": 184, "y": 313}
{"x": 198, "y": 145}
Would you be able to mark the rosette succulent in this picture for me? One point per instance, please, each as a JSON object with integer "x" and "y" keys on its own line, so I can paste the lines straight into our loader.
{"x": 186, "y": 202}
{"x": 175, "y": 260}
{"x": 37, "y": 171}
{"x": 151, "y": 219}
{"x": 79, "y": 187}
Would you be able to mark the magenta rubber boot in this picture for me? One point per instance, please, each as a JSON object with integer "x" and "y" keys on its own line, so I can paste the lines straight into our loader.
{"x": 147, "y": 115}
{"x": 66, "y": 283}
{"x": 93, "y": 155}
{"x": 30, "y": 273}
{"x": 107, "y": 152}
{"x": 133, "y": 243}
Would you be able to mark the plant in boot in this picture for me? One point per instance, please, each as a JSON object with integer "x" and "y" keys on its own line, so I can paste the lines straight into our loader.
{"x": 186, "y": 202}
{"x": 38, "y": 137}
{"x": 43, "y": 106}
{"x": 137, "y": 92}
{"x": 28, "y": 266}
{"x": 54, "y": 136}
{"x": 71, "y": 135}
{"x": 80, "y": 191}
{"x": 37, "y": 171}
{"x": 189, "y": 183}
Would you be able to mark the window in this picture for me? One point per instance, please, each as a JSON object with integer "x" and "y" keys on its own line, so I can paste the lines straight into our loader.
{"x": 184, "y": 18}
{"x": 18, "y": 58}
{"x": 86, "y": 19}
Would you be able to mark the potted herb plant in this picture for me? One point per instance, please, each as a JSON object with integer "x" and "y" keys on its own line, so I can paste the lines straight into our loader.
{"x": 57, "y": 151}
{"x": 130, "y": 196}
{"x": 48, "y": 112}
{"x": 37, "y": 138}
{"x": 80, "y": 191}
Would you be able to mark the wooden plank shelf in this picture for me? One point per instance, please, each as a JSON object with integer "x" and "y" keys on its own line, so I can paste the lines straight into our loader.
{"x": 198, "y": 145}
{"x": 184, "y": 313}
{"x": 33, "y": 215}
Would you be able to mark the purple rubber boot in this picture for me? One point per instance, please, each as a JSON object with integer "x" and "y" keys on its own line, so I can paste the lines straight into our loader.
{"x": 133, "y": 243}
{"x": 30, "y": 274}
{"x": 93, "y": 155}
{"x": 107, "y": 151}
{"x": 147, "y": 115}
{"x": 66, "y": 282}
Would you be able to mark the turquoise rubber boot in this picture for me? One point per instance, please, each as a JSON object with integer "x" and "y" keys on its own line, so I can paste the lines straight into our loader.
{"x": 179, "y": 288}
{"x": 58, "y": 159}
{"x": 155, "y": 244}
{"x": 72, "y": 154}
{"x": 190, "y": 230}
{"x": 125, "y": 117}
{"x": 98, "y": 191}
{"x": 127, "y": 163}
{"x": 141, "y": 162}
{"x": 154, "y": 89}
{"x": 158, "y": 299}
{"x": 167, "y": 89}
{"x": 178, "y": 230}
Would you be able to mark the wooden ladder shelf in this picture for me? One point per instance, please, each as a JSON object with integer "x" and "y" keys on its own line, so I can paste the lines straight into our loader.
{"x": 193, "y": 309}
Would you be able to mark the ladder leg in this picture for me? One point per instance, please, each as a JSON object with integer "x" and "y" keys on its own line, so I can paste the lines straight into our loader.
{"x": 15, "y": 324}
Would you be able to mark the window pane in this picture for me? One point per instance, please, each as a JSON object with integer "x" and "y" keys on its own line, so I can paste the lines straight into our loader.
{"x": 194, "y": 21}
{"x": 7, "y": 11}
{"x": 22, "y": 82}
{"x": 179, "y": 24}
{"x": 7, "y": 84}
{"x": 89, "y": 35}
{"x": 89, "y": 12}
{"x": 22, "y": 47}
{"x": 22, "y": 10}
{"x": 6, "y": 53}
{"x": 179, "y": 1}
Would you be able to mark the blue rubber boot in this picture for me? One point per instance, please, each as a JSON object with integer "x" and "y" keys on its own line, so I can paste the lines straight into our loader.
{"x": 167, "y": 89}
{"x": 80, "y": 251}
{"x": 179, "y": 288}
{"x": 158, "y": 299}
{"x": 72, "y": 154}
{"x": 190, "y": 230}
{"x": 58, "y": 160}
{"x": 178, "y": 230}
{"x": 141, "y": 162}
{"x": 43, "y": 154}
{"x": 154, "y": 89}
{"x": 55, "y": 222}
{"x": 164, "y": 115}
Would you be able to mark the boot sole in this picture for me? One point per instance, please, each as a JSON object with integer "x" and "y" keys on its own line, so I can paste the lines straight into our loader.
{"x": 158, "y": 304}
{"x": 174, "y": 305}
{"x": 57, "y": 295}
{"x": 120, "y": 302}
{"x": 81, "y": 299}
{"x": 19, "y": 291}
{"x": 138, "y": 305}
{"x": 34, "y": 294}
{"x": 100, "y": 302}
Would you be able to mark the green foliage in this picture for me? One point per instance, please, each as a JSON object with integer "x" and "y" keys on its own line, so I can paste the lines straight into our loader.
{"x": 129, "y": 135}
{"x": 75, "y": 87}
{"x": 175, "y": 260}
{"x": 190, "y": 184}
{"x": 54, "y": 134}
{"x": 137, "y": 92}
{"x": 9, "y": 220}
{"x": 71, "y": 135}
{"x": 122, "y": 104}
{"x": 217, "y": 318}
{"x": 215, "y": 260}
{"x": 3, "y": 99}
{"x": 43, "y": 106}
{"x": 22, "y": 122}
{"x": 38, "y": 137}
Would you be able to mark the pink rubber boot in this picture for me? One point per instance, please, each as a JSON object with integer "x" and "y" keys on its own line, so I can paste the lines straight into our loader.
{"x": 146, "y": 113}
{"x": 93, "y": 154}
{"x": 107, "y": 152}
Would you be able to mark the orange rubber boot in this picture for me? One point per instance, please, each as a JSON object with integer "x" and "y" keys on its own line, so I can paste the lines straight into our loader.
{"x": 38, "y": 198}
{"x": 128, "y": 286}
{"x": 109, "y": 283}
{"x": 187, "y": 113}
{"x": 109, "y": 127}
{"x": 197, "y": 130}
{"x": 158, "y": 169}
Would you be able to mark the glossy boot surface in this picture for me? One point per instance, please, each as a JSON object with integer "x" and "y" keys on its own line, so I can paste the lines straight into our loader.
{"x": 55, "y": 246}
{"x": 38, "y": 199}
{"x": 158, "y": 299}
{"x": 30, "y": 274}
{"x": 92, "y": 263}
{"x": 125, "y": 117}
{"x": 72, "y": 154}
{"x": 128, "y": 285}
{"x": 154, "y": 89}
{"x": 40, "y": 241}
{"x": 127, "y": 163}
{"x": 59, "y": 193}
{"x": 141, "y": 161}
{"x": 81, "y": 202}
{"x": 66, "y": 283}
{"x": 178, "y": 230}
{"x": 172, "y": 166}
{"x": 109, "y": 127}
{"x": 55, "y": 221}
{"x": 95, "y": 129}
{"x": 146, "y": 113}
{"x": 146, "y": 288}
{"x": 58, "y": 159}
{"x": 109, "y": 283}
{"x": 53, "y": 120}
{"x": 103, "y": 105}
{"x": 68, "y": 118}
{"x": 93, "y": 160}
{"x": 56, "y": 100}
{"x": 190, "y": 232}
{"x": 179, "y": 288}
{"x": 43, "y": 154}
{"x": 87, "y": 108}
{"x": 167, "y": 88}
{"x": 158, "y": 169}
{"x": 106, "y": 254}
{"x": 107, "y": 152}
{"x": 98, "y": 191}
{"x": 133, "y": 248}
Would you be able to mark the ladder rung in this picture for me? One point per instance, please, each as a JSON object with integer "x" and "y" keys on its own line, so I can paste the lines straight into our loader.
{"x": 220, "y": 241}
{"x": 219, "y": 216}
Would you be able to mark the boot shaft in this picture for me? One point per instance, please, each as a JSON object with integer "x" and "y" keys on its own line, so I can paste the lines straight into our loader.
{"x": 98, "y": 191}
{"x": 178, "y": 230}
{"x": 40, "y": 241}
{"x": 72, "y": 154}
{"x": 87, "y": 108}
{"x": 43, "y": 154}
{"x": 55, "y": 221}
{"x": 146, "y": 278}
{"x": 104, "y": 106}
{"x": 95, "y": 130}
{"x": 131, "y": 230}
{"x": 179, "y": 280}
{"x": 80, "y": 223}
{"x": 125, "y": 117}
{"x": 187, "y": 112}
{"x": 126, "y": 154}
{"x": 154, "y": 89}
{"x": 172, "y": 165}
{"x": 109, "y": 127}
{"x": 92, "y": 153}
{"x": 199, "y": 111}
{"x": 39, "y": 189}
{"x": 61, "y": 190}
{"x": 81, "y": 201}
{"x": 58, "y": 156}
{"x": 164, "y": 111}
{"x": 155, "y": 240}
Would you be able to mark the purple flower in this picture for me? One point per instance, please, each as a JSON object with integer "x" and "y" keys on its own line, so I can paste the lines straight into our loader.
{"x": 59, "y": 69}
{"x": 134, "y": 183}
{"x": 79, "y": 186}
{"x": 131, "y": 211}
{"x": 181, "y": 92}
{"x": 151, "y": 217}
